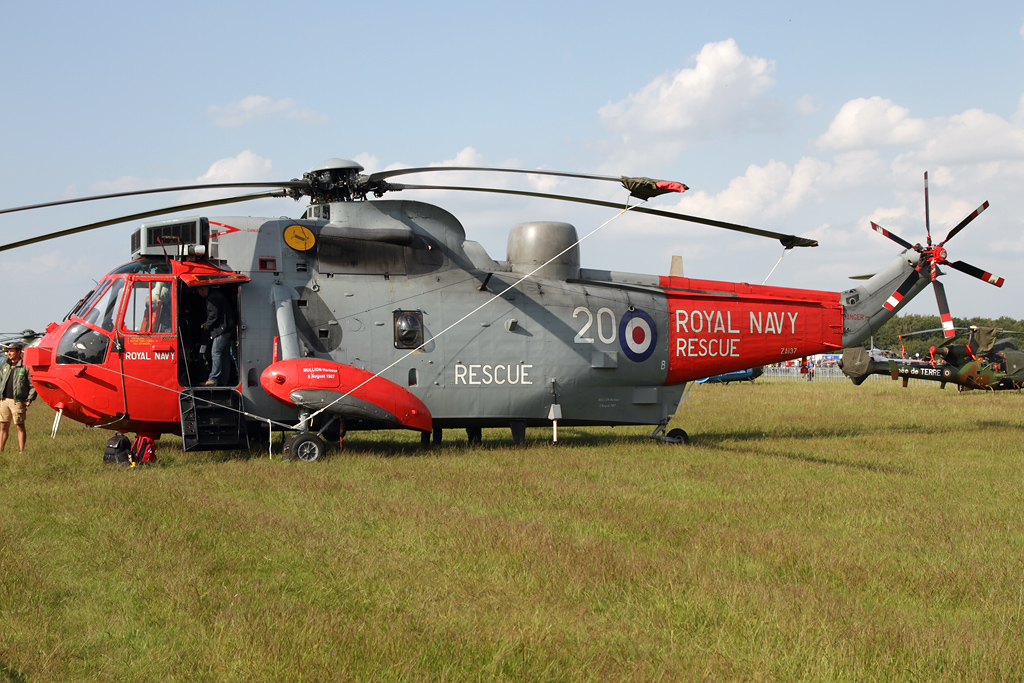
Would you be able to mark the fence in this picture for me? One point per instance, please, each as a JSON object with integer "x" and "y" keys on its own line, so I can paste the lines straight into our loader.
{"x": 825, "y": 373}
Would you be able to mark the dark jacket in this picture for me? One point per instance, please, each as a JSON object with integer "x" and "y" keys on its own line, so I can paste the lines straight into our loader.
{"x": 219, "y": 318}
{"x": 23, "y": 389}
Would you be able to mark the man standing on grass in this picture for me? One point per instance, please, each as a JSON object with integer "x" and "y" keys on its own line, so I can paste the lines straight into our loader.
{"x": 17, "y": 395}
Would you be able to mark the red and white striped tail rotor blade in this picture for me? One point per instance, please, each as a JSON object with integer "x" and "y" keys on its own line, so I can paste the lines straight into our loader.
{"x": 944, "y": 315}
{"x": 974, "y": 271}
{"x": 894, "y": 237}
{"x": 963, "y": 224}
{"x": 927, "y": 218}
{"x": 897, "y": 296}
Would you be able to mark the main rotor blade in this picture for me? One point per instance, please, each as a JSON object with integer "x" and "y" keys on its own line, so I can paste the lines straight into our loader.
{"x": 381, "y": 175}
{"x": 788, "y": 241}
{"x": 963, "y": 224}
{"x": 944, "y": 316}
{"x": 641, "y": 188}
{"x": 290, "y": 184}
{"x": 139, "y": 216}
{"x": 891, "y": 235}
{"x": 901, "y": 291}
{"x": 974, "y": 271}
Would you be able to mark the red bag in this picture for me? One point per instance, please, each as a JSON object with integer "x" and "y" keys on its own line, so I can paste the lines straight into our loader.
{"x": 143, "y": 450}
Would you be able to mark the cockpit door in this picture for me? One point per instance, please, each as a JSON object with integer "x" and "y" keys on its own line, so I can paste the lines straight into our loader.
{"x": 149, "y": 350}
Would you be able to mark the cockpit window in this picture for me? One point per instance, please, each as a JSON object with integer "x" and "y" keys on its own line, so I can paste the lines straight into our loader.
{"x": 144, "y": 266}
{"x": 149, "y": 308}
{"x": 86, "y": 301}
{"x": 81, "y": 344}
{"x": 103, "y": 311}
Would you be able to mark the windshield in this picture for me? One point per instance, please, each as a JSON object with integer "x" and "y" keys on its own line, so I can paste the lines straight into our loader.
{"x": 101, "y": 308}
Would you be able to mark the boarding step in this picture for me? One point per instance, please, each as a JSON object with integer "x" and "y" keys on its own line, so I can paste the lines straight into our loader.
{"x": 212, "y": 419}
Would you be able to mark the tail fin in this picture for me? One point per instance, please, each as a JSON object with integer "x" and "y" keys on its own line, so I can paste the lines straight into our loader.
{"x": 872, "y": 304}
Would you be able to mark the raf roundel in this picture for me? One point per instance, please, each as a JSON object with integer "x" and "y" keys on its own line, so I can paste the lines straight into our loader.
{"x": 638, "y": 335}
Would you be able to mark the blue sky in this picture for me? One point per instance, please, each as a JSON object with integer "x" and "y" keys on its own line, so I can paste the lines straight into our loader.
{"x": 809, "y": 118}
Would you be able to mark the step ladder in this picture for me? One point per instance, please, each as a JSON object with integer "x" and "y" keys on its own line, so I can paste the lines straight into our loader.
{"x": 212, "y": 419}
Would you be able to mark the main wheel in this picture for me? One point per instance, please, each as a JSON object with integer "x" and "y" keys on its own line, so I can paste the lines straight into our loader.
{"x": 307, "y": 447}
{"x": 679, "y": 436}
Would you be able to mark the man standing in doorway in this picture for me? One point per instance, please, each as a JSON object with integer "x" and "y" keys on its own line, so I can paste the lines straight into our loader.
{"x": 17, "y": 394}
{"x": 220, "y": 325}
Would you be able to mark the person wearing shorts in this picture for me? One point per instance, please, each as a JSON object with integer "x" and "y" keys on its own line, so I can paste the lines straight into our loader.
{"x": 16, "y": 394}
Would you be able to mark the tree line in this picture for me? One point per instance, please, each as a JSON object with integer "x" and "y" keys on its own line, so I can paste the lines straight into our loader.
{"x": 888, "y": 337}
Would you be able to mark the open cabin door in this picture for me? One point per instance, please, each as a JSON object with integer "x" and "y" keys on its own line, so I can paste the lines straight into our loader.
{"x": 196, "y": 345}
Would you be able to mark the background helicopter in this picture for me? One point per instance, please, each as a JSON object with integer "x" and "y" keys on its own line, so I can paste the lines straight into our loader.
{"x": 26, "y": 337}
{"x": 984, "y": 362}
{"x": 379, "y": 313}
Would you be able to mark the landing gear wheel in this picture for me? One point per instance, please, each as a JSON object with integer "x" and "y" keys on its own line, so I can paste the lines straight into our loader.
{"x": 679, "y": 436}
{"x": 306, "y": 447}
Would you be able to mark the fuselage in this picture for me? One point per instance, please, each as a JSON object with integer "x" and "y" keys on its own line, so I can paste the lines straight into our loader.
{"x": 394, "y": 287}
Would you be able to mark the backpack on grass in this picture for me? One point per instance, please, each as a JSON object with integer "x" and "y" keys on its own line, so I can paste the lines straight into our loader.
{"x": 143, "y": 451}
{"x": 118, "y": 450}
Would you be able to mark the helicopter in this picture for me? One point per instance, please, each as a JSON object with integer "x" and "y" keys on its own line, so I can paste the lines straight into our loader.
{"x": 984, "y": 362}
{"x": 378, "y": 313}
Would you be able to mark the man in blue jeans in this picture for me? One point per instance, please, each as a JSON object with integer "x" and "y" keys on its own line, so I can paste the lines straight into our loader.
{"x": 220, "y": 325}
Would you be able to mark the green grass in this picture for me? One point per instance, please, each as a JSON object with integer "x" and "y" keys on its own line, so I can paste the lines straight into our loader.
{"x": 809, "y": 532}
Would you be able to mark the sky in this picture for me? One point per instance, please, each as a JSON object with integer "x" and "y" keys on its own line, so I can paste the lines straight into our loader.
{"x": 797, "y": 117}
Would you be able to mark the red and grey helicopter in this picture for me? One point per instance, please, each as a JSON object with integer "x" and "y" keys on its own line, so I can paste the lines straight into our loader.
{"x": 373, "y": 313}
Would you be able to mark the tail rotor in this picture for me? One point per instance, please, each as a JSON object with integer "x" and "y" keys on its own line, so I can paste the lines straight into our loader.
{"x": 932, "y": 256}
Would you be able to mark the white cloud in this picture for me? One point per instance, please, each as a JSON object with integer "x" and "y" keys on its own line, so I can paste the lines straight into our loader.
{"x": 872, "y": 122}
{"x": 971, "y": 137}
{"x": 723, "y": 81}
{"x": 245, "y": 166}
{"x": 808, "y": 104}
{"x": 235, "y": 114}
{"x": 768, "y": 191}
{"x": 722, "y": 92}
{"x": 59, "y": 267}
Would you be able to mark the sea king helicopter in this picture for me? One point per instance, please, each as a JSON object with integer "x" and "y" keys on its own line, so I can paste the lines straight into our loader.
{"x": 373, "y": 313}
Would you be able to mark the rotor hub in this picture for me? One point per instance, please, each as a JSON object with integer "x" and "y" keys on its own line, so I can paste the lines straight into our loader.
{"x": 334, "y": 180}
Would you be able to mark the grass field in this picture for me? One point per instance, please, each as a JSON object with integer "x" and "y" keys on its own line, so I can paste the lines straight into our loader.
{"x": 809, "y": 532}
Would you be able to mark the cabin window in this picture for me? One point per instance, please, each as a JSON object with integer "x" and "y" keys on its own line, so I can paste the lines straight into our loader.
{"x": 149, "y": 309}
{"x": 408, "y": 329}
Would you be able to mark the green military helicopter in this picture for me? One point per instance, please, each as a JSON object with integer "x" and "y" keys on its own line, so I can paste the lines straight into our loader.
{"x": 986, "y": 361}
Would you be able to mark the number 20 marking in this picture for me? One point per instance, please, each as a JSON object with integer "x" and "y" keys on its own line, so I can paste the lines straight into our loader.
{"x": 602, "y": 313}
